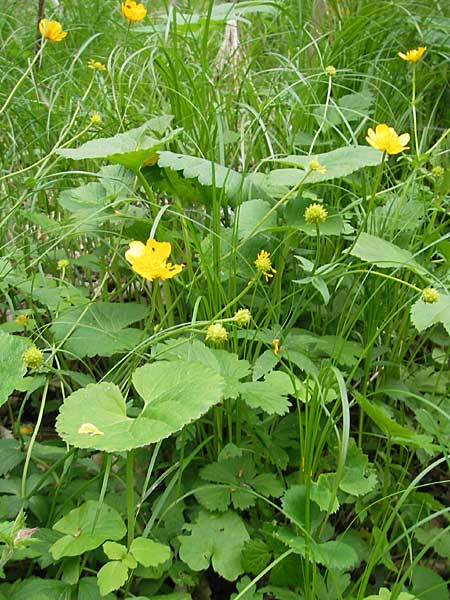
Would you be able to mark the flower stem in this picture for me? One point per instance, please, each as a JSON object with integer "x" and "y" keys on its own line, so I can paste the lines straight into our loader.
{"x": 413, "y": 106}
{"x": 33, "y": 439}
{"x": 130, "y": 498}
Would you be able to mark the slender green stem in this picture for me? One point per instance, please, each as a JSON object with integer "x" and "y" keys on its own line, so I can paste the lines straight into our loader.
{"x": 33, "y": 439}
{"x": 130, "y": 497}
{"x": 414, "y": 111}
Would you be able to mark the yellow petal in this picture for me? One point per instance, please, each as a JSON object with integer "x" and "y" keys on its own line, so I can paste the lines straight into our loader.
{"x": 136, "y": 250}
{"x": 404, "y": 138}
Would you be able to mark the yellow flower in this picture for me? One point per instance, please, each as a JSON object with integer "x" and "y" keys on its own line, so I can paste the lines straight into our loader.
{"x": 149, "y": 260}
{"x": 133, "y": 11}
{"x": 216, "y": 333}
{"x": 90, "y": 429}
{"x": 315, "y": 165}
{"x": 413, "y": 55}
{"x": 51, "y": 30}
{"x": 276, "y": 346}
{"x": 385, "y": 139}
{"x": 96, "y": 65}
{"x": 315, "y": 214}
{"x": 263, "y": 264}
{"x": 96, "y": 119}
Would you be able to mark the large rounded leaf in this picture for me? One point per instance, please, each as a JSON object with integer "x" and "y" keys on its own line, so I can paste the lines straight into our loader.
{"x": 174, "y": 393}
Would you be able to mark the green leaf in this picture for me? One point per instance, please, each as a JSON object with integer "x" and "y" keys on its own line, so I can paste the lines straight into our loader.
{"x": 174, "y": 393}
{"x": 427, "y": 584}
{"x": 235, "y": 186}
{"x": 88, "y": 590}
{"x": 250, "y": 594}
{"x": 385, "y": 594}
{"x": 86, "y": 528}
{"x": 322, "y": 492}
{"x": 149, "y": 553}
{"x": 382, "y": 253}
{"x": 11, "y": 364}
{"x": 250, "y": 215}
{"x": 10, "y": 453}
{"x": 393, "y": 430}
{"x": 100, "y": 328}
{"x": 437, "y": 538}
{"x": 424, "y": 315}
{"x": 112, "y": 576}
{"x": 130, "y": 149}
{"x": 35, "y": 588}
{"x": 333, "y": 555}
{"x": 296, "y": 507}
{"x": 358, "y": 478}
{"x": 216, "y": 538}
{"x": 214, "y": 497}
{"x": 256, "y": 555}
{"x": 114, "y": 551}
{"x": 270, "y": 394}
{"x": 294, "y": 216}
{"x": 224, "y": 363}
{"x": 338, "y": 163}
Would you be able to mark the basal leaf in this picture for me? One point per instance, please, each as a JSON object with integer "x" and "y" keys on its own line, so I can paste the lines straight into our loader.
{"x": 215, "y": 538}
{"x": 174, "y": 394}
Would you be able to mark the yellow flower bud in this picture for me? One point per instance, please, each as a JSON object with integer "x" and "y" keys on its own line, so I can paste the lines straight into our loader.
{"x": 216, "y": 333}
{"x": 330, "y": 71}
{"x": 437, "y": 171}
{"x": 63, "y": 263}
{"x": 430, "y": 295}
{"x": 243, "y": 317}
{"x": 33, "y": 357}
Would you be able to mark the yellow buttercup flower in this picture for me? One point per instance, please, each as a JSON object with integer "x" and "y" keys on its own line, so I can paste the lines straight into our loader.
{"x": 385, "y": 139}
{"x": 263, "y": 264}
{"x": 51, "y": 30}
{"x": 96, "y": 119}
{"x": 96, "y": 65}
{"x": 133, "y": 11}
{"x": 150, "y": 260}
{"x": 413, "y": 55}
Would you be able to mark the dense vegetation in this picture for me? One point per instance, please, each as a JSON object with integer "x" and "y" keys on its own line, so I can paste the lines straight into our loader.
{"x": 225, "y": 306}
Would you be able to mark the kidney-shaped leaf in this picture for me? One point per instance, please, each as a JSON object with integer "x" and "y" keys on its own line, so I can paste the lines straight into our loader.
{"x": 174, "y": 393}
